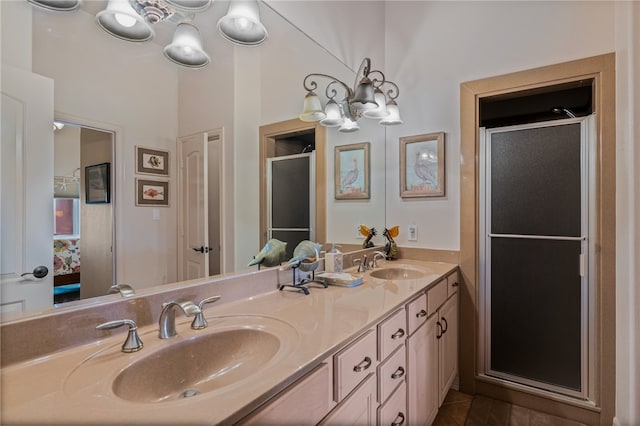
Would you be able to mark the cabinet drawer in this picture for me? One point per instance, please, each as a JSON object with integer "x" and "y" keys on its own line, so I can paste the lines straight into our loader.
{"x": 306, "y": 401}
{"x": 394, "y": 411}
{"x": 353, "y": 364}
{"x": 391, "y": 373}
{"x": 391, "y": 334}
{"x": 436, "y": 296}
{"x": 416, "y": 313}
{"x": 453, "y": 283}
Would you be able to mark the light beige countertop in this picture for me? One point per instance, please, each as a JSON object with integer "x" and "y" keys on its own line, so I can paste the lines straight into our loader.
{"x": 73, "y": 386}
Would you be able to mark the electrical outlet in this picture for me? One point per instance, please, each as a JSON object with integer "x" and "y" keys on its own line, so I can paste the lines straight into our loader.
{"x": 412, "y": 235}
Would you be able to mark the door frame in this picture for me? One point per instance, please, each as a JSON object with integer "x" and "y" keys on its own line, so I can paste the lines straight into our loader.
{"x": 601, "y": 69}
{"x": 268, "y": 135}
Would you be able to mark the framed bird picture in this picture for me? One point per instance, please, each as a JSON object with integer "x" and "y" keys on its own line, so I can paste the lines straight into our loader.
{"x": 422, "y": 166}
{"x": 152, "y": 161}
{"x": 352, "y": 171}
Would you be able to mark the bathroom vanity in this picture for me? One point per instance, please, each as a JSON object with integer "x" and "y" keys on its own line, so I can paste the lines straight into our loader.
{"x": 384, "y": 352}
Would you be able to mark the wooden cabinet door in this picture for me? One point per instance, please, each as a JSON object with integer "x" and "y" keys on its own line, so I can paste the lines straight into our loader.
{"x": 422, "y": 377}
{"x": 448, "y": 346}
{"x": 305, "y": 402}
{"x": 359, "y": 408}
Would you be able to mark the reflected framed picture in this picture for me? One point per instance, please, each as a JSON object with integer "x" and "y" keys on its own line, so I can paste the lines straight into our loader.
{"x": 152, "y": 161}
{"x": 97, "y": 184}
{"x": 422, "y": 166}
{"x": 352, "y": 171}
{"x": 152, "y": 193}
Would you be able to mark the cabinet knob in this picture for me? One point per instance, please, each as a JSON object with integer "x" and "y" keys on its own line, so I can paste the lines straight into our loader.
{"x": 421, "y": 314}
{"x": 364, "y": 364}
{"x": 398, "y": 420}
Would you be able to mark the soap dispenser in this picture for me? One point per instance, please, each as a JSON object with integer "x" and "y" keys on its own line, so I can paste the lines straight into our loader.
{"x": 333, "y": 260}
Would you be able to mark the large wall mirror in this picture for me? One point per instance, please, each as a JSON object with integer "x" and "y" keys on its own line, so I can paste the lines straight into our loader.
{"x": 145, "y": 100}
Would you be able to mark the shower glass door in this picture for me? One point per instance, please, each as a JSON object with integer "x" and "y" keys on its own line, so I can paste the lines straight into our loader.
{"x": 535, "y": 255}
{"x": 291, "y": 199}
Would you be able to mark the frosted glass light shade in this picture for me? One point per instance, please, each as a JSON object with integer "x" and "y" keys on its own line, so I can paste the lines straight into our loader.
{"x": 186, "y": 47}
{"x": 349, "y": 126}
{"x": 394, "y": 114}
{"x": 334, "y": 116}
{"x": 57, "y": 5}
{"x": 121, "y": 21}
{"x": 381, "y": 110}
{"x": 241, "y": 24}
{"x": 194, "y": 6}
{"x": 312, "y": 110}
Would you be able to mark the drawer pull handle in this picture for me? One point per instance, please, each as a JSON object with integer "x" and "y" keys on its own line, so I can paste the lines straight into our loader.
{"x": 366, "y": 363}
{"x": 446, "y": 326}
{"x": 439, "y": 333}
{"x": 421, "y": 314}
{"x": 455, "y": 284}
{"x": 399, "y": 420}
{"x": 398, "y": 334}
{"x": 398, "y": 373}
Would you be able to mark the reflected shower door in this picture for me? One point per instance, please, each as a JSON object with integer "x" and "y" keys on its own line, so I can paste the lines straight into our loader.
{"x": 291, "y": 199}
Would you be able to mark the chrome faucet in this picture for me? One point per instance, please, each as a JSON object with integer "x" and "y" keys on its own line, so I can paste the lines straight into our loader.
{"x": 125, "y": 290}
{"x": 377, "y": 255}
{"x": 363, "y": 264}
{"x": 167, "y": 320}
{"x": 200, "y": 322}
{"x": 132, "y": 342}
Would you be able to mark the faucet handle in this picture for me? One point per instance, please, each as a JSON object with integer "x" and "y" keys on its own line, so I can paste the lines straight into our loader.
{"x": 132, "y": 342}
{"x": 200, "y": 322}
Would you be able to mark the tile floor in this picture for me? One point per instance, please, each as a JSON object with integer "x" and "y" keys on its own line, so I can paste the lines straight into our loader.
{"x": 459, "y": 409}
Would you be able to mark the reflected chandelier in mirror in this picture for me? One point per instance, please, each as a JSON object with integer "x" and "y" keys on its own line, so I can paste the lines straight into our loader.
{"x": 133, "y": 20}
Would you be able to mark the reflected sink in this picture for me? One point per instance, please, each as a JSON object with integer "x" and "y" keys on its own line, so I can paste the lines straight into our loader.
{"x": 197, "y": 365}
{"x": 396, "y": 274}
{"x": 233, "y": 351}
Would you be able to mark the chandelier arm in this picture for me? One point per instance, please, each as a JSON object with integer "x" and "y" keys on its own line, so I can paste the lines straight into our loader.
{"x": 312, "y": 85}
{"x": 331, "y": 92}
{"x": 363, "y": 70}
{"x": 377, "y": 82}
{"x": 394, "y": 91}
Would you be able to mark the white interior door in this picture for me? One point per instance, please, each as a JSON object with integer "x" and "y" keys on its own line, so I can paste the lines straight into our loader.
{"x": 200, "y": 224}
{"x": 26, "y": 189}
{"x": 194, "y": 227}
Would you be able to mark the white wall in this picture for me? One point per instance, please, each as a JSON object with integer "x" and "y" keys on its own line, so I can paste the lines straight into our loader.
{"x": 130, "y": 87}
{"x": 432, "y": 47}
{"x": 66, "y": 151}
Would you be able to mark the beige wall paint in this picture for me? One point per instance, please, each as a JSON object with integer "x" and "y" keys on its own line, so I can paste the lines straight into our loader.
{"x": 96, "y": 226}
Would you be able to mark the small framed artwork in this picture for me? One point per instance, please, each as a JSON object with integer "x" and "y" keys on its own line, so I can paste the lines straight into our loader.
{"x": 352, "y": 171}
{"x": 97, "y": 184}
{"x": 152, "y": 161}
{"x": 152, "y": 193}
{"x": 422, "y": 166}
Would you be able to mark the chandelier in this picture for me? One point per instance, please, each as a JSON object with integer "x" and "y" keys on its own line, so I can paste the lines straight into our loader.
{"x": 366, "y": 99}
{"x": 133, "y": 20}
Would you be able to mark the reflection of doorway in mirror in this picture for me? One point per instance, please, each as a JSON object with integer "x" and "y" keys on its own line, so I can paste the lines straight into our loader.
{"x": 83, "y": 232}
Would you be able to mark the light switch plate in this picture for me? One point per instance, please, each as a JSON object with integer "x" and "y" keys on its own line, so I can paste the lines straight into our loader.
{"x": 412, "y": 233}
